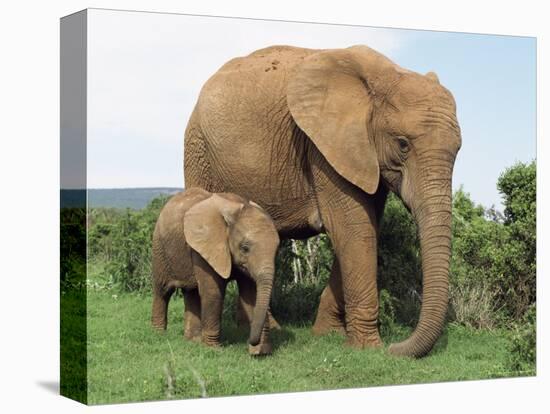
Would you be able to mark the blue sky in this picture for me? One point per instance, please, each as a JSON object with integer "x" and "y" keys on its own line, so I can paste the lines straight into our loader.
{"x": 145, "y": 72}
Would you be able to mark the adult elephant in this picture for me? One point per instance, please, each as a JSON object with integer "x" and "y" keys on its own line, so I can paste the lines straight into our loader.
{"x": 318, "y": 138}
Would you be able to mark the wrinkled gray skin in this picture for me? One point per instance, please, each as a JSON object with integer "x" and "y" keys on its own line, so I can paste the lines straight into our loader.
{"x": 203, "y": 240}
{"x": 318, "y": 138}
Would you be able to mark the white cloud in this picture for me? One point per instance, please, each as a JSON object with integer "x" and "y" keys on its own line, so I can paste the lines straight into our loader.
{"x": 145, "y": 72}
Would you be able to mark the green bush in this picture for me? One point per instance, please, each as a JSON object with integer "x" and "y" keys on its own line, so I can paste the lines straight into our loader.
{"x": 399, "y": 264}
{"x": 522, "y": 347}
{"x": 386, "y": 315}
{"x": 72, "y": 247}
{"x": 302, "y": 272}
{"x": 476, "y": 241}
{"x": 130, "y": 266}
{"x": 101, "y": 228}
{"x": 130, "y": 240}
{"x": 493, "y": 268}
{"x": 518, "y": 187}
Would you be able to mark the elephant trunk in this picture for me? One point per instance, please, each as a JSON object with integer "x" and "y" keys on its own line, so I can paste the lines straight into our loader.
{"x": 264, "y": 284}
{"x": 434, "y": 224}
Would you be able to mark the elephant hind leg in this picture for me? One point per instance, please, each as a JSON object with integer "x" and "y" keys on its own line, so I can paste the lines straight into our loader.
{"x": 192, "y": 315}
{"x": 331, "y": 313}
{"x": 161, "y": 298}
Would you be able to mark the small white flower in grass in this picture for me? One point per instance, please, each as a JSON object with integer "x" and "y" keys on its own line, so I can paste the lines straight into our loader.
{"x": 115, "y": 297}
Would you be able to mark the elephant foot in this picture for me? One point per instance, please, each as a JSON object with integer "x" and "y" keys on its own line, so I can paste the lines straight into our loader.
{"x": 212, "y": 341}
{"x": 213, "y": 345}
{"x": 260, "y": 349}
{"x": 328, "y": 320}
{"x": 160, "y": 327}
{"x": 323, "y": 326}
{"x": 193, "y": 336}
{"x": 324, "y": 330}
{"x": 372, "y": 341}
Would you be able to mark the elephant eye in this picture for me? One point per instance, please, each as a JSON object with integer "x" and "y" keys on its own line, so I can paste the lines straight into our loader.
{"x": 403, "y": 144}
{"x": 244, "y": 247}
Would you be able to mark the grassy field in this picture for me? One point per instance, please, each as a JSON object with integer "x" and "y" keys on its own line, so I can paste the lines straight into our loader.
{"x": 127, "y": 361}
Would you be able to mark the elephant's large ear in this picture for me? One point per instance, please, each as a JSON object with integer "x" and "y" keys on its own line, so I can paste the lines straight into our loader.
{"x": 329, "y": 99}
{"x": 205, "y": 226}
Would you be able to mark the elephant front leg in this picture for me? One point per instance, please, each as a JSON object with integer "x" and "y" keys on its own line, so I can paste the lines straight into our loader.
{"x": 350, "y": 221}
{"x": 211, "y": 292}
{"x": 331, "y": 311}
{"x": 360, "y": 293}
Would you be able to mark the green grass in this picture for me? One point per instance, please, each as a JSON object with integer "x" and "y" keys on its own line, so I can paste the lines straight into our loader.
{"x": 73, "y": 345}
{"x": 128, "y": 361}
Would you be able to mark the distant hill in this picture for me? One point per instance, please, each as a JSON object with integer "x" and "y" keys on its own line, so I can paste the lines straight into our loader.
{"x": 73, "y": 198}
{"x": 136, "y": 198}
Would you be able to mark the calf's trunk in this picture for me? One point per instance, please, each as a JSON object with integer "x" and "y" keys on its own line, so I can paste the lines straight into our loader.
{"x": 264, "y": 285}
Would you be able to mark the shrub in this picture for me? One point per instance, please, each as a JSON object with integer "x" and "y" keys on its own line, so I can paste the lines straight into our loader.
{"x": 101, "y": 229}
{"x": 518, "y": 186}
{"x": 494, "y": 256}
{"x": 130, "y": 266}
{"x": 386, "y": 314}
{"x": 399, "y": 264}
{"x": 522, "y": 347}
{"x": 72, "y": 247}
{"x": 493, "y": 268}
{"x": 131, "y": 240}
{"x": 476, "y": 240}
{"x": 472, "y": 304}
{"x": 302, "y": 272}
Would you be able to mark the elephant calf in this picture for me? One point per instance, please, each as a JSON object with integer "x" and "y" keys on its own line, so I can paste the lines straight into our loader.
{"x": 201, "y": 241}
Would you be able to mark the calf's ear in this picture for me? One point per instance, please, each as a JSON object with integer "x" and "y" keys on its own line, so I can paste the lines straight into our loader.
{"x": 206, "y": 226}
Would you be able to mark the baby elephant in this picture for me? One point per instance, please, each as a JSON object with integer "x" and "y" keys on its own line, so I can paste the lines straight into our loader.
{"x": 203, "y": 240}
